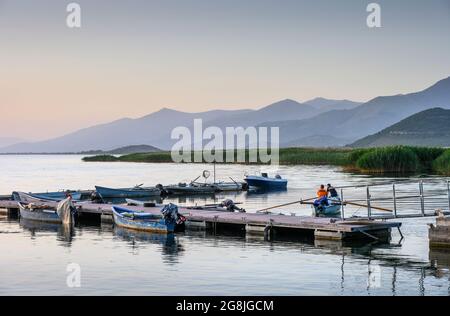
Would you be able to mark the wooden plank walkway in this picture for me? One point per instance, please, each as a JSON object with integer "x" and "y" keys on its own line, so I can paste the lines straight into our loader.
{"x": 253, "y": 223}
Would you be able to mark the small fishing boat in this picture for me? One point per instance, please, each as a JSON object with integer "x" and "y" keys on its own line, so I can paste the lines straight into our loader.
{"x": 135, "y": 192}
{"x": 42, "y": 214}
{"x": 43, "y": 197}
{"x": 225, "y": 206}
{"x": 265, "y": 183}
{"x": 192, "y": 188}
{"x": 57, "y": 196}
{"x": 27, "y": 198}
{"x": 132, "y": 202}
{"x": 164, "y": 223}
{"x": 333, "y": 208}
{"x": 203, "y": 188}
{"x": 231, "y": 186}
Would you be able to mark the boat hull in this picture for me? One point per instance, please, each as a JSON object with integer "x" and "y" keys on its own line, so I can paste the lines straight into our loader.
{"x": 40, "y": 215}
{"x": 155, "y": 225}
{"x": 266, "y": 183}
{"x": 127, "y": 193}
{"x": 40, "y": 197}
{"x": 191, "y": 190}
{"x": 56, "y": 196}
{"x": 202, "y": 188}
{"x": 331, "y": 210}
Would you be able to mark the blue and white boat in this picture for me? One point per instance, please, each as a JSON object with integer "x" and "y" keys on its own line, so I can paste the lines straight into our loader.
{"x": 57, "y": 196}
{"x": 45, "y": 214}
{"x": 164, "y": 223}
{"x": 265, "y": 183}
{"x": 44, "y": 197}
{"x": 135, "y": 192}
{"x": 332, "y": 208}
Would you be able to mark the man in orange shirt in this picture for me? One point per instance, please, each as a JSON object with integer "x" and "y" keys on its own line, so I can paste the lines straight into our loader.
{"x": 321, "y": 192}
{"x": 322, "y": 195}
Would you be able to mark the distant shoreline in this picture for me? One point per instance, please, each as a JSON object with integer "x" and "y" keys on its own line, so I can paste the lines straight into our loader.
{"x": 118, "y": 151}
{"x": 395, "y": 159}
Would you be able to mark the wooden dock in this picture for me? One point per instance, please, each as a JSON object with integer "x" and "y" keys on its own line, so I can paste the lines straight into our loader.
{"x": 251, "y": 223}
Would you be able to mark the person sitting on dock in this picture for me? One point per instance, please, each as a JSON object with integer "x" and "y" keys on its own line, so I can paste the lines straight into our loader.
{"x": 322, "y": 195}
{"x": 332, "y": 191}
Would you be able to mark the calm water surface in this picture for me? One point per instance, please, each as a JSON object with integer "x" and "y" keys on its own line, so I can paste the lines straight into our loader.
{"x": 113, "y": 261}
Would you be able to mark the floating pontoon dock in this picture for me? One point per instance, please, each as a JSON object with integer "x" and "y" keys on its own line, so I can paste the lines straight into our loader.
{"x": 251, "y": 223}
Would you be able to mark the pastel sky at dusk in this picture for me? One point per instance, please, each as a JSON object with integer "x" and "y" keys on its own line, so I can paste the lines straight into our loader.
{"x": 131, "y": 58}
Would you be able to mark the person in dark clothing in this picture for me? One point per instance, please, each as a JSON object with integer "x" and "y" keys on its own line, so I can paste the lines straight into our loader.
{"x": 331, "y": 191}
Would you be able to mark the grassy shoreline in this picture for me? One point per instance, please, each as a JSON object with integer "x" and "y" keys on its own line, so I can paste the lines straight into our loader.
{"x": 395, "y": 159}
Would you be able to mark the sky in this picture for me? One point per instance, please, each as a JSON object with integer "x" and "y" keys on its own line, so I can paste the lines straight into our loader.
{"x": 131, "y": 58}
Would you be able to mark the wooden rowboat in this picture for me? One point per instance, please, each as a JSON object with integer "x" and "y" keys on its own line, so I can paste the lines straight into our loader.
{"x": 135, "y": 192}
{"x": 42, "y": 214}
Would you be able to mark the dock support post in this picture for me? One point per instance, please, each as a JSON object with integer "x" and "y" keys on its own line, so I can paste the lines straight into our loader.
{"x": 215, "y": 224}
{"x": 369, "y": 209}
{"x": 342, "y": 204}
{"x": 268, "y": 233}
{"x": 106, "y": 219}
{"x": 400, "y": 232}
{"x": 422, "y": 200}
{"x": 395, "y": 200}
{"x": 448, "y": 194}
{"x": 12, "y": 212}
{"x": 328, "y": 235}
{"x": 196, "y": 225}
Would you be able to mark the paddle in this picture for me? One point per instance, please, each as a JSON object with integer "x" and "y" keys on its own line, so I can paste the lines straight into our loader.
{"x": 193, "y": 181}
{"x": 237, "y": 184}
{"x": 364, "y": 205}
{"x": 351, "y": 203}
{"x": 281, "y": 205}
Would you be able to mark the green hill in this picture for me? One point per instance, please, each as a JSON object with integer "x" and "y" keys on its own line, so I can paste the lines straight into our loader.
{"x": 132, "y": 149}
{"x": 427, "y": 128}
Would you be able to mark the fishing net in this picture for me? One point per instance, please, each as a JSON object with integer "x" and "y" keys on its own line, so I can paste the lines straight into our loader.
{"x": 64, "y": 211}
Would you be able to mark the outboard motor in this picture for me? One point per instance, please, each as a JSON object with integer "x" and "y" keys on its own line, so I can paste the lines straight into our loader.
{"x": 171, "y": 215}
{"x": 164, "y": 192}
{"x": 96, "y": 198}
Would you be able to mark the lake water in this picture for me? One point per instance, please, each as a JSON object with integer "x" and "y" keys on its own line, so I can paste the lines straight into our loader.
{"x": 34, "y": 258}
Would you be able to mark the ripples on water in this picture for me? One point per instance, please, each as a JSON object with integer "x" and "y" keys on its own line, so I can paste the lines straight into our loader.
{"x": 117, "y": 261}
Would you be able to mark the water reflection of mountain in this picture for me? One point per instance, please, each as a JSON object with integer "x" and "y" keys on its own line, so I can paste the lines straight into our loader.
{"x": 64, "y": 233}
{"x": 170, "y": 245}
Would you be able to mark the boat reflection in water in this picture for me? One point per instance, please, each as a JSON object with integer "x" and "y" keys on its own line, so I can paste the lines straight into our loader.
{"x": 64, "y": 233}
{"x": 170, "y": 246}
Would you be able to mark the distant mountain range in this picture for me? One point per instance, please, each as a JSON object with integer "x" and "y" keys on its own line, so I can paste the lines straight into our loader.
{"x": 367, "y": 118}
{"x": 327, "y": 104}
{"x": 426, "y": 128}
{"x": 133, "y": 149}
{"x": 319, "y": 122}
{"x": 7, "y": 141}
